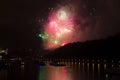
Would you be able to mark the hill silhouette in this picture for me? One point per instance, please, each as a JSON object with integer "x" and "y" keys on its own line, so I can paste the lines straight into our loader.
{"x": 104, "y": 48}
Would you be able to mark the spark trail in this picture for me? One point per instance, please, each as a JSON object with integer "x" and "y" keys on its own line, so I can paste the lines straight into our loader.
{"x": 64, "y": 26}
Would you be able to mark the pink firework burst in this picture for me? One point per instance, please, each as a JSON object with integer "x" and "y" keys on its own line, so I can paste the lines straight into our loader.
{"x": 59, "y": 28}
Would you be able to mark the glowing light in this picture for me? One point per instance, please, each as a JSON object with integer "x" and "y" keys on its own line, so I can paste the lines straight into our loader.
{"x": 56, "y": 42}
{"x": 62, "y": 15}
{"x": 104, "y": 66}
{"x": 3, "y": 51}
{"x": 66, "y": 30}
{"x": 43, "y": 36}
{"x": 63, "y": 44}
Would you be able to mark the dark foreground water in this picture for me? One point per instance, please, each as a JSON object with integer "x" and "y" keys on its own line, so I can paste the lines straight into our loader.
{"x": 73, "y": 71}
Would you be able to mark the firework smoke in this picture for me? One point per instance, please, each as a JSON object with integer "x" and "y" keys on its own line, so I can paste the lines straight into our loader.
{"x": 67, "y": 23}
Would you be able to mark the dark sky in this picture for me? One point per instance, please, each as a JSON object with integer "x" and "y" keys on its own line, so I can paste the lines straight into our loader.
{"x": 19, "y": 20}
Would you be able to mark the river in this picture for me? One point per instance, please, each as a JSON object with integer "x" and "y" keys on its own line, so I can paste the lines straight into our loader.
{"x": 73, "y": 71}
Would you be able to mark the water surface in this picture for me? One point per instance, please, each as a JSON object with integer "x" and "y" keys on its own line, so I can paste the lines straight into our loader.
{"x": 73, "y": 71}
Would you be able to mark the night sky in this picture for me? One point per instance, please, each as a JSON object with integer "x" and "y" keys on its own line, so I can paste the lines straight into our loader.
{"x": 20, "y": 20}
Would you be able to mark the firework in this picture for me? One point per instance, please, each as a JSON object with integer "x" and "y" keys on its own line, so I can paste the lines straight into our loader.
{"x": 63, "y": 26}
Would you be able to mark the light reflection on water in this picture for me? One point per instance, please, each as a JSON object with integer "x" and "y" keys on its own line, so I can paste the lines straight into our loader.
{"x": 83, "y": 71}
{"x": 34, "y": 71}
{"x": 54, "y": 73}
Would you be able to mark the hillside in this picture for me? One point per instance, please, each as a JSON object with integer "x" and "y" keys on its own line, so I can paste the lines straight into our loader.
{"x": 105, "y": 48}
